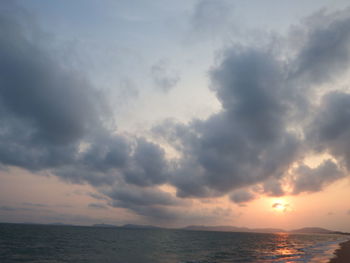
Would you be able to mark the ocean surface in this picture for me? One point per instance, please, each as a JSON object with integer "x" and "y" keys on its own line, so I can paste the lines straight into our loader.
{"x": 53, "y": 244}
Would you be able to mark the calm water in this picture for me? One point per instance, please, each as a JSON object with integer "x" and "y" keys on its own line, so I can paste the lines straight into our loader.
{"x": 50, "y": 244}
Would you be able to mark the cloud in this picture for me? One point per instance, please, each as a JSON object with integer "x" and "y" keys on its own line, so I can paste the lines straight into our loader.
{"x": 164, "y": 78}
{"x": 34, "y": 204}
{"x": 329, "y": 130}
{"x": 97, "y": 206}
{"x": 314, "y": 179}
{"x": 54, "y": 121}
{"x": 281, "y": 207}
{"x": 137, "y": 196}
{"x": 97, "y": 196}
{"x": 45, "y": 108}
{"x": 148, "y": 165}
{"x": 273, "y": 187}
{"x": 8, "y": 208}
{"x": 276, "y": 205}
{"x": 245, "y": 143}
{"x": 242, "y": 196}
{"x": 262, "y": 129}
{"x": 211, "y": 18}
{"x": 325, "y": 53}
{"x": 149, "y": 202}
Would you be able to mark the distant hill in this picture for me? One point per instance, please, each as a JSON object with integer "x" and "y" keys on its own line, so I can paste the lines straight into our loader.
{"x": 233, "y": 229}
{"x": 104, "y": 225}
{"x": 140, "y": 226}
{"x": 59, "y": 224}
{"x": 312, "y": 230}
{"x": 305, "y": 230}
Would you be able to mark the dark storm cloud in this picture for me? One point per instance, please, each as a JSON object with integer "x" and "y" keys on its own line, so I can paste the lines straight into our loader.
{"x": 314, "y": 179}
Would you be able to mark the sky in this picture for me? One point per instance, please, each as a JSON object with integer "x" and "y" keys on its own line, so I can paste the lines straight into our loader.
{"x": 175, "y": 113}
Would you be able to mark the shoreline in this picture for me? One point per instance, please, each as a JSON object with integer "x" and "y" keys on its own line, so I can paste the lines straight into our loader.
{"x": 342, "y": 254}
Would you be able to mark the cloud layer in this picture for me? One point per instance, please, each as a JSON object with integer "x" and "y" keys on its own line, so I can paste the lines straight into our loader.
{"x": 54, "y": 121}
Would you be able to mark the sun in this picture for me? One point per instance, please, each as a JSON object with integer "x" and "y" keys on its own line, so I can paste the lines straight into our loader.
{"x": 280, "y": 205}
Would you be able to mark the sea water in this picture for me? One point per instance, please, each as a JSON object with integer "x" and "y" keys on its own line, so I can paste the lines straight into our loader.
{"x": 53, "y": 244}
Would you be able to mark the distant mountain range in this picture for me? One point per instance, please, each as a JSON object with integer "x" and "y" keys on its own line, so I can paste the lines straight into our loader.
{"x": 233, "y": 229}
{"x": 104, "y": 225}
{"x": 305, "y": 230}
{"x": 312, "y": 230}
{"x": 128, "y": 226}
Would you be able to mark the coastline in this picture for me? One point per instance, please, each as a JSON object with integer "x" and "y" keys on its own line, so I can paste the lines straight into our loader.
{"x": 342, "y": 254}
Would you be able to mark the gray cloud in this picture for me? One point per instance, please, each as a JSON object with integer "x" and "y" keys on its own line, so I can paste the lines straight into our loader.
{"x": 242, "y": 196}
{"x": 330, "y": 128}
{"x": 45, "y": 109}
{"x": 248, "y": 141}
{"x": 34, "y": 204}
{"x": 149, "y": 202}
{"x": 8, "y": 208}
{"x": 148, "y": 165}
{"x": 273, "y": 187}
{"x": 97, "y": 196}
{"x": 97, "y": 206}
{"x": 260, "y": 130}
{"x": 314, "y": 179}
{"x": 164, "y": 78}
{"x": 137, "y": 196}
{"x": 211, "y": 18}
{"x": 325, "y": 52}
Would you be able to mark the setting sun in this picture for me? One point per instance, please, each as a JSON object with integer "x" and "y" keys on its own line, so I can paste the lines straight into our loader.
{"x": 280, "y": 205}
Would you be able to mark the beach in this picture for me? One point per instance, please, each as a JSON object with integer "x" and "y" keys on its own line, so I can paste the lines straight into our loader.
{"x": 342, "y": 255}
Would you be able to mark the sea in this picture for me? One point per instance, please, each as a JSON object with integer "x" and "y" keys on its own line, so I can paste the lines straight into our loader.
{"x": 78, "y": 244}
